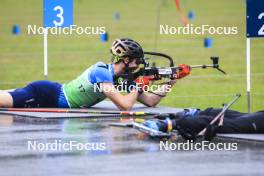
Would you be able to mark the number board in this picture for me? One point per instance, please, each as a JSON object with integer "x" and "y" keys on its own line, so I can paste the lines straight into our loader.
{"x": 255, "y": 18}
{"x": 58, "y": 13}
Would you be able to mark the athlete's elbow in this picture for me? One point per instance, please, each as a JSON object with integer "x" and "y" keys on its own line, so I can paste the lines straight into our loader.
{"x": 151, "y": 104}
{"x": 125, "y": 107}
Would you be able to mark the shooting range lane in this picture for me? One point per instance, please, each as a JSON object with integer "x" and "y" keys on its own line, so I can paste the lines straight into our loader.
{"x": 126, "y": 148}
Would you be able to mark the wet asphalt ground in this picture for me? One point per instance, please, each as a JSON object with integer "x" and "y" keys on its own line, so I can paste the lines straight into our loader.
{"x": 111, "y": 151}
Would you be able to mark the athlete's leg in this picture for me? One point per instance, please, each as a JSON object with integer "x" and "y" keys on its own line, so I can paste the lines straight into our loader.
{"x": 248, "y": 123}
{"x": 6, "y": 100}
{"x": 37, "y": 94}
{"x": 46, "y": 93}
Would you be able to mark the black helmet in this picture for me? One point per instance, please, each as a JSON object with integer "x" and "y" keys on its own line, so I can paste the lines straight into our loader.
{"x": 125, "y": 47}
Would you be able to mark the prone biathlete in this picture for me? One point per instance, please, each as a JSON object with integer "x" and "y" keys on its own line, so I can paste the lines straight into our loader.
{"x": 127, "y": 55}
{"x": 192, "y": 121}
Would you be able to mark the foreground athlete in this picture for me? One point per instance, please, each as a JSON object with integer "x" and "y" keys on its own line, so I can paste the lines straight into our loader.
{"x": 81, "y": 92}
{"x": 191, "y": 121}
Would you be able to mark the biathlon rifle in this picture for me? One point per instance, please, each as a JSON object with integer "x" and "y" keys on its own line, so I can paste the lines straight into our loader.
{"x": 169, "y": 72}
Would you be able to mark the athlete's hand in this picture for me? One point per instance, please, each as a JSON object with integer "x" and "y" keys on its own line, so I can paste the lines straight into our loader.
{"x": 173, "y": 80}
{"x": 184, "y": 71}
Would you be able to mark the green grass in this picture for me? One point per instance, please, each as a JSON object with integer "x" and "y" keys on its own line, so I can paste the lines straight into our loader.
{"x": 21, "y": 57}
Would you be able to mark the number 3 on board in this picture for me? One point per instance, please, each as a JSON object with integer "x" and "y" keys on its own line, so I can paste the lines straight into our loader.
{"x": 58, "y": 9}
{"x": 58, "y": 13}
